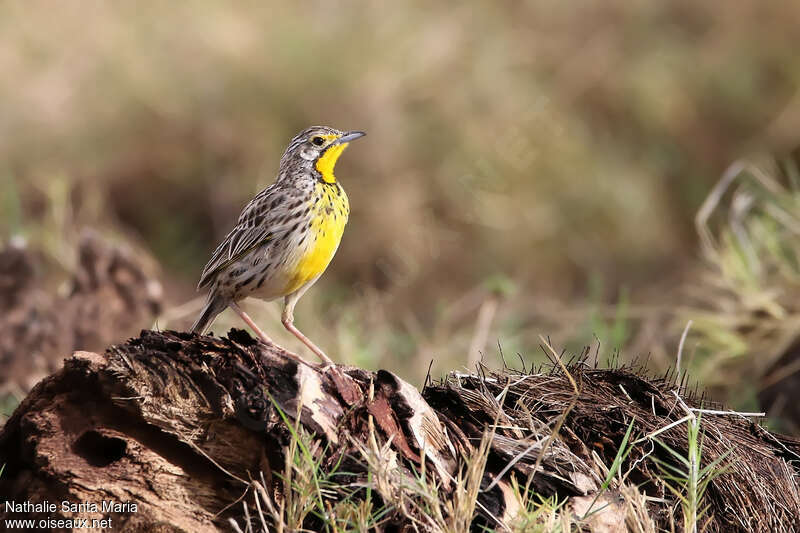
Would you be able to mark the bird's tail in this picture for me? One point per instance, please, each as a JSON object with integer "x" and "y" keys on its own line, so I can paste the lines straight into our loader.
{"x": 213, "y": 307}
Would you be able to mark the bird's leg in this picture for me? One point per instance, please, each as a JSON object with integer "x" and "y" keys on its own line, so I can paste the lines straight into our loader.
{"x": 288, "y": 323}
{"x": 263, "y": 336}
{"x": 249, "y": 321}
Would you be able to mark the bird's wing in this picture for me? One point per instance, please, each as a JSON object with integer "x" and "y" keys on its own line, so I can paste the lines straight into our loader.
{"x": 261, "y": 219}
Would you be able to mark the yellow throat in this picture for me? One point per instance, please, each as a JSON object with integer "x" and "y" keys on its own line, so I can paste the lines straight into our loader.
{"x": 327, "y": 161}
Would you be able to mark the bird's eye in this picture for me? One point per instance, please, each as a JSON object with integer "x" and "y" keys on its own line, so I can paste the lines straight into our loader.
{"x": 317, "y": 141}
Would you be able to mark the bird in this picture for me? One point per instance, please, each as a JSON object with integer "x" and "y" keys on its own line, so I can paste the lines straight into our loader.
{"x": 285, "y": 237}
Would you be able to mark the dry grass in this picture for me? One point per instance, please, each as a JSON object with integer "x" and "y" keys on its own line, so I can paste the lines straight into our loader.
{"x": 687, "y": 467}
{"x": 744, "y": 306}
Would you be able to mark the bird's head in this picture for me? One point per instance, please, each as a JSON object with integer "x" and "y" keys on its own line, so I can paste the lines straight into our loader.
{"x": 319, "y": 146}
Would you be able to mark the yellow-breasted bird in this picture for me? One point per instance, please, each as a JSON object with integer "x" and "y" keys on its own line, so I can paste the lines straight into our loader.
{"x": 285, "y": 237}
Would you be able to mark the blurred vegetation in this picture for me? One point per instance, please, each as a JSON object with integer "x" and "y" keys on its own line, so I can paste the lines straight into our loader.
{"x": 744, "y": 304}
{"x": 548, "y": 156}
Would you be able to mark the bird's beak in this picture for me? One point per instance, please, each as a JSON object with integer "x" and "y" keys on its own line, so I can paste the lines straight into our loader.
{"x": 349, "y": 136}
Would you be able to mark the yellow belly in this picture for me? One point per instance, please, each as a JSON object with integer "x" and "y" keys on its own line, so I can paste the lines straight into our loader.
{"x": 327, "y": 228}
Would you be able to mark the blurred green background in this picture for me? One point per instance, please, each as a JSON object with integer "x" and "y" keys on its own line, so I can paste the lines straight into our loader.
{"x": 531, "y": 167}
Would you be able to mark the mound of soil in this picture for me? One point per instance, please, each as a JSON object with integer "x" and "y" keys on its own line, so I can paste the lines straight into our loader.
{"x": 109, "y": 294}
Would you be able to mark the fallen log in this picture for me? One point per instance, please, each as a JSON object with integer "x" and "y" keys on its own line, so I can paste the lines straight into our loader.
{"x": 178, "y": 432}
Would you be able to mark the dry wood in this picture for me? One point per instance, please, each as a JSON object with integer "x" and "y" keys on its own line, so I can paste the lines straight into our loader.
{"x": 180, "y": 424}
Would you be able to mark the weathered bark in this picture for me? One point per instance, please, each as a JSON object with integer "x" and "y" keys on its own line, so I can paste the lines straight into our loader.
{"x": 180, "y": 424}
